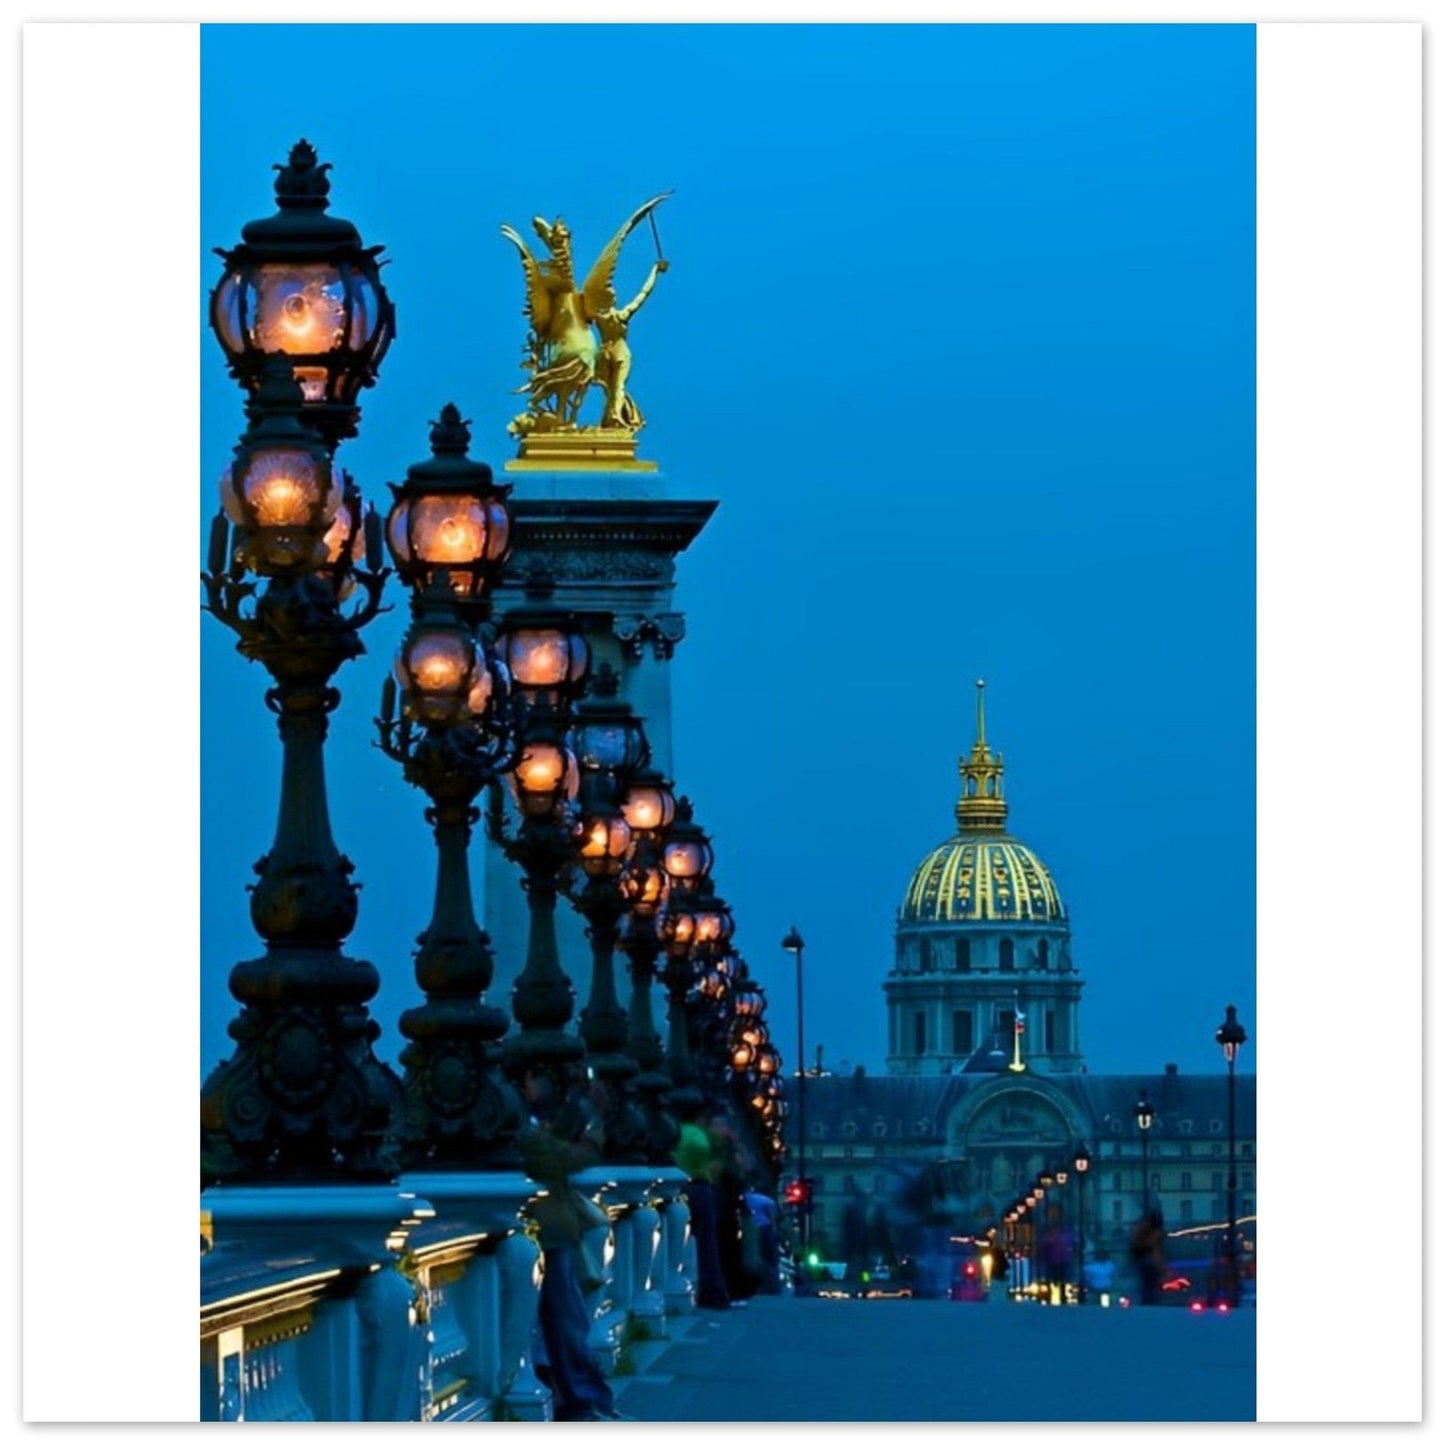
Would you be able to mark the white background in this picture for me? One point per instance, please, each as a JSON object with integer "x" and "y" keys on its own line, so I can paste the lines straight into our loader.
{"x": 110, "y": 705}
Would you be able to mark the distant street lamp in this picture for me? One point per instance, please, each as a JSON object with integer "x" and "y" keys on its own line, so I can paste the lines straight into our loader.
{"x": 1144, "y": 1118}
{"x": 1082, "y": 1160}
{"x": 547, "y": 657}
{"x": 1230, "y": 1036}
{"x": 611, "y": 746}
{"x": 793, "y": 943}
{"x": 647, "y": 807}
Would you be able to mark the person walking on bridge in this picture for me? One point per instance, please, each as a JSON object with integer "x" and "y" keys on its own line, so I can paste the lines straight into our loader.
{"x": 694, "y": 1156}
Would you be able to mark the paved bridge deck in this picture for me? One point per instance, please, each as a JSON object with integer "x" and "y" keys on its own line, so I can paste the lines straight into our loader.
{"x": 786, "y": 1359}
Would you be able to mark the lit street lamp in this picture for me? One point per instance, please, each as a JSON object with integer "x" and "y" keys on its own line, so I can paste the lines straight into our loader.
{"x": 303, "y": 1095}
{"x": 611, "y": 746}
{"x": 793, "y": 943}
{"x": 1230, "y": 1036}
{"x": 456, "y": 733}
{"x": 302, "y": 286}
{"x": 1144, "y": 1118}
{"x": 1082, "y": 1160}
{"x": 647, "y": 806}
{"x": 547, "y": 658}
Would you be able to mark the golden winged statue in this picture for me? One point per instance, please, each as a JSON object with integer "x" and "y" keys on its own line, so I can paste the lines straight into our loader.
{"x": 564, "y": 356}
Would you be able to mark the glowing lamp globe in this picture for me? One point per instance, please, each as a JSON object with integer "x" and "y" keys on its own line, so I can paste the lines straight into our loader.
{"x": 448, "y": 518}
{"x": 302, "y": 287}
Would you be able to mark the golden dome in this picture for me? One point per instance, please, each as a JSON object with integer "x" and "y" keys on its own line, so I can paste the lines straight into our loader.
{"x": 983, "y": 879}
{"x": 981, "y": 874}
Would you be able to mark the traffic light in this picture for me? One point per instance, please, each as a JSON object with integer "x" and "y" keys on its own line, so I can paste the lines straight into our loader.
{"x": 799, "y": 1194}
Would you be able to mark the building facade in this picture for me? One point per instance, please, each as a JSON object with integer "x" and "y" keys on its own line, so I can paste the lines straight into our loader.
{"x": 987, "y": 1086}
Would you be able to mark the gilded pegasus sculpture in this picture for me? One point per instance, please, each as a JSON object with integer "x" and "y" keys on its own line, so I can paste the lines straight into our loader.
{"x": 565, "y": 357}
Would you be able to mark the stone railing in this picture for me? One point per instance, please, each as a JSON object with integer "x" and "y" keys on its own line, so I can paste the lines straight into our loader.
{"x": 416, "y": 1301}
{"x": 304, "y": 1312}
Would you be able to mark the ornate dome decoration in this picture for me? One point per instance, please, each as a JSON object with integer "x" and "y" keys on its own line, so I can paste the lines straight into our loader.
{"x": 982, "y": 880}
{"x": 981, "y": 874}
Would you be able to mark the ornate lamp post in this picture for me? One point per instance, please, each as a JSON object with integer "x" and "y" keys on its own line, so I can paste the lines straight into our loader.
{"x": 1034, "y": 1201}
{"x": 610, "y": 744}
{"x": 648, "y": 808}
{"x": 303, "y": 1095}
{"x": 708, "y": 994}
{"x": 547, "y": 658}
{"x": 1082, "y": 1160}
{"x": 301, "y": 286}
{"x": 448, "y": 533}
{"x": 686, "y": 858}
{"x": 1144, "y": 1118}
{"x": 1231, "y": 1037}
{"x": 793, "y": 943}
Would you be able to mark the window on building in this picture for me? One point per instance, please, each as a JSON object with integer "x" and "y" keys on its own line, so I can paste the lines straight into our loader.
{"x": 1216, "y": 1181}
{"x": 1186, "y": 1210}
{"x": 1118, "y": 1183}
{"x": 1246, "y": 1205}
{"x": 847, "y": 1184}
{"x": 963, "y": 1031}
{"x": 1248, "y": 1179}
{"x": 961, "y": 959}
{"x": 1043, "y": 953}
{"x": 920, "y": 1033}
{"x": 1006, "y": 953}
{"x": 925, "y": 956}
{"x": 1118, "y": 1210}
{"x": 1048, "y": 1031}
{"x": 1186, "y": 1180}
{"x": 1247, "y": 1150}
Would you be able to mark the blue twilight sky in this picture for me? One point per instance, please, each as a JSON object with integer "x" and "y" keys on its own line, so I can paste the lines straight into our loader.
{"x": 959, "y": 330}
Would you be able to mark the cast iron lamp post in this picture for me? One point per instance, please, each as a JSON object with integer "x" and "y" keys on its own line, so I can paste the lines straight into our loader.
{"x": 1144, "y": 1118}
{"x": 302, "y": 286}
{"x": 1231, "y": 1037}
{"x": 793, "y": 943}
{"x": 303, "y": 1095}
{"x": 712, "y": 933}
{"x": 448, "y": 533}
{"x": 686, "y": 857}
{"x": 1082, "y": 1160}
{"x": 648, "y": 808}
{"x": 611, "y": 745}
{"x": 547, "y": 658}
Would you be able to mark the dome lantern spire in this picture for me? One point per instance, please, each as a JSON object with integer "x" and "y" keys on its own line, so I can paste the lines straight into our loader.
{"x": 981, "y": 807}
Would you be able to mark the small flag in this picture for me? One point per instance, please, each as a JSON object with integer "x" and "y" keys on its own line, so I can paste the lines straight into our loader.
{"x": 1018, "y": 1016}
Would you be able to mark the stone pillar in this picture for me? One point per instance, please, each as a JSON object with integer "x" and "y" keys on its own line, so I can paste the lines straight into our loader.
{"x": 609, "y": 540}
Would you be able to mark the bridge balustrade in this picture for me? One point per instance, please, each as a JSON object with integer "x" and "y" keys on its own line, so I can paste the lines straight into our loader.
{"x": 417, "y": 1301}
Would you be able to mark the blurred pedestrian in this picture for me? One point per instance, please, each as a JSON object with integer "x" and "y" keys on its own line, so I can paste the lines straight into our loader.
{"x": 1099, "y": 1275}
{"x": 729, "y": 1175}
{"x": 998, "y": 1273}
{"x": 1056, "y": 1249}
{"x": 694, "y": 1156}
{"x": 1146, "y": 1250}
{"x": 561, "y": 1139}
{"x": 762, "y": 1216}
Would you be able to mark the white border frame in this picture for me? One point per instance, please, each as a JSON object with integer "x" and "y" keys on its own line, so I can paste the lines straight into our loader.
{"x": 1339, "y": 655}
